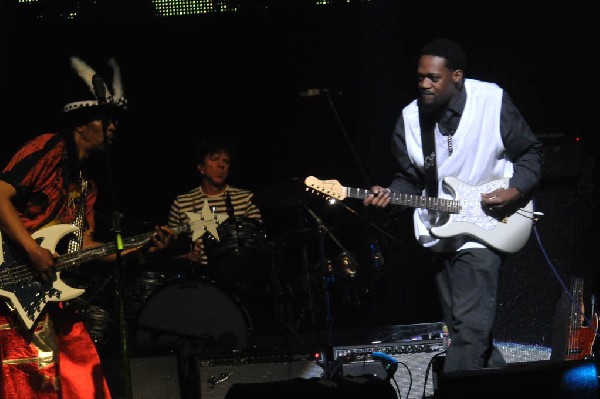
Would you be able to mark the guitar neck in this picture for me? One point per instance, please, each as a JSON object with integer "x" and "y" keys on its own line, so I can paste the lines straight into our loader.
{"x": 577, "y": 303}
{"x": 87, "y": 255}
{"x": 69, "y": 260}
{"x": 411, "y": 200}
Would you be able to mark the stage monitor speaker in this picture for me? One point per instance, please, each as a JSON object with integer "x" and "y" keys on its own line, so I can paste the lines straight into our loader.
{"x": 152, "y": 377}
{"x": 574, "y": 379}
{"x": 413, "y": 375}
{"x": 299, "y": 388}
{"x": 217, "y": 375}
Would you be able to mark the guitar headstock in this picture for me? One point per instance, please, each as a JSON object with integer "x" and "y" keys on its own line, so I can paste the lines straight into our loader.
{"x": 330, "y": 188}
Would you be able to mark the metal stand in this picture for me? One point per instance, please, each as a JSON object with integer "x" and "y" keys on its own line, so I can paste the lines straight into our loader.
{"x": 332, "y": 368}
{"x": 119, "y": 289}
{"x": 279, "y": 302}
{"x": 118, "y": 270}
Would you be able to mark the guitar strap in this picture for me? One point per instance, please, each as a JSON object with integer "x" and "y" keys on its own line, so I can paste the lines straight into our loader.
{"x": 427, "y": 123}
{"x": 76, "y": 243}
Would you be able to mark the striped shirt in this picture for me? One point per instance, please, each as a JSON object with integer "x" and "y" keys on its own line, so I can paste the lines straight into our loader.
{"x": 193, "y": 201}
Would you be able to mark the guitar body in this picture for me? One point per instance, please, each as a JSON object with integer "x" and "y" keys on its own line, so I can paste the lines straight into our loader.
{"x": 508, "y": 234}
{"x": 581, "y": 341}
{"x": 29, "y": 297}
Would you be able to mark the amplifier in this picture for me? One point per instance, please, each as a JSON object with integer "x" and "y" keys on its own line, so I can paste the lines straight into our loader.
{"x": 414, "y": 374}
{"x": 152, "y": 377}
{"x": 416, "y": 367}
{"x": 217, "y": 375}
{"x": 361, "y": 353}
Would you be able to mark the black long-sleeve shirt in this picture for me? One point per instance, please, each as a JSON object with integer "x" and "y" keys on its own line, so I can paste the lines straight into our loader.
{"x": 522, "y": 147}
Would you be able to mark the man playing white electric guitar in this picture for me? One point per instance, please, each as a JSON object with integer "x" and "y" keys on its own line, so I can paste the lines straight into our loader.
{"x": 468, "y": 130}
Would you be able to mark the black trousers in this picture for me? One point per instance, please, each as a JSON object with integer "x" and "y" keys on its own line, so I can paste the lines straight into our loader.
{"x": 467, "y": 287}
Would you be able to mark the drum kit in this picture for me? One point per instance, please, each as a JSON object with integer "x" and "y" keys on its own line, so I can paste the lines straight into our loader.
{"x": 251, "y": 286}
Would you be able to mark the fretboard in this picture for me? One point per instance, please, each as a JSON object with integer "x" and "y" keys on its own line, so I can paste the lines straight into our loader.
{"x": 412, "y": 200}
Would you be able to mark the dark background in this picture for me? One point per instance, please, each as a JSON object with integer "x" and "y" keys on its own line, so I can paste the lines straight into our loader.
{"x": 241, "y": 74}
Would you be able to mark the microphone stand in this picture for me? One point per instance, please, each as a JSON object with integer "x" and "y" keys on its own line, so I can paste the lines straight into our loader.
{"x": 340, "y": 124}
{"x": 118, "y": 270}
{"x": 332, "y": 368}
{"x": 119, "y": 289}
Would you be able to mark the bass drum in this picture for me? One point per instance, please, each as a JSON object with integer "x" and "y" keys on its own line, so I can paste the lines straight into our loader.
{"x": 194, "y": 309}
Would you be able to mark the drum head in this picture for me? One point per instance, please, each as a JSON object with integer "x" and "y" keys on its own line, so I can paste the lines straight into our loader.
{"x": 199, "y": 310}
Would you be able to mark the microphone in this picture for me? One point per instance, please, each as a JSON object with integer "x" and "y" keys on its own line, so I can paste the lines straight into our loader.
{"x": 99, "y": 89}
{"x": 315, "y": 92}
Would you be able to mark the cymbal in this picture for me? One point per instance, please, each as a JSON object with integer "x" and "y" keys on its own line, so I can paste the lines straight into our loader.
{"x": 282, "y": 194}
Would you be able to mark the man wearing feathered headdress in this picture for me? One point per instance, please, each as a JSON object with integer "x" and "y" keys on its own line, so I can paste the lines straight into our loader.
{"x": 45, "y": 349}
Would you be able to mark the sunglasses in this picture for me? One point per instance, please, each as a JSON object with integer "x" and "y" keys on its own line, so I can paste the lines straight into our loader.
{"x": 111, "y": 119}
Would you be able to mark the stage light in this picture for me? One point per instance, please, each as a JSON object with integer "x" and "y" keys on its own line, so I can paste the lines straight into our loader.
{"x": 581, "y": 381}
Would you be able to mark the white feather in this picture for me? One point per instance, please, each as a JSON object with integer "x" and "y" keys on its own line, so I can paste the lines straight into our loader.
{"x": 84, "y": 71}
{"x": 117, "y": 84}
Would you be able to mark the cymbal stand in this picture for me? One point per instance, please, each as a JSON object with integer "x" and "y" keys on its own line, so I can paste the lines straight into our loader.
{"x": 329, "y": 364}
{"x": 278, "y": 293}
{"x": 309, "y": 292}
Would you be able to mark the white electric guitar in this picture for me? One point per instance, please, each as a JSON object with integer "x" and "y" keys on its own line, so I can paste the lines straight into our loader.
{"x": 506, "y": 233}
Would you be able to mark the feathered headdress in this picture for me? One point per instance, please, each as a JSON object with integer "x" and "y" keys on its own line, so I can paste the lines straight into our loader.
{"x": 114, "y": 96}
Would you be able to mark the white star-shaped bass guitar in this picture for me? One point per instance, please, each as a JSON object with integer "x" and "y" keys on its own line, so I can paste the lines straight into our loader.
{"x": 205, "y": 221}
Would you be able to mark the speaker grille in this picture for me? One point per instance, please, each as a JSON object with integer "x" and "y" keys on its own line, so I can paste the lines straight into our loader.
{"x": 151, "y": 377}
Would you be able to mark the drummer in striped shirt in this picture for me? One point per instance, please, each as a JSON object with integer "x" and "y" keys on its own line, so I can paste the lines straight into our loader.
{"x": 242, "y": 228}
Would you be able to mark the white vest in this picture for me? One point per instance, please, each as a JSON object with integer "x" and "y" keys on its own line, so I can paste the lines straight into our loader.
{"x": 478, "y": 155}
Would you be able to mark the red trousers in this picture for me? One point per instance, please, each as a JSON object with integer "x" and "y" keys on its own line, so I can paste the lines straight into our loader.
{"x": 58, "y": 360}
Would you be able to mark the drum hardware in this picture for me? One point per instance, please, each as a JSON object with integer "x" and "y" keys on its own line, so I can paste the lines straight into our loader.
{"x": 342, "y": 266}
{"x": 316, "y": 279}
{"x": 282, "y": 295}
{"x": 328, "y": 278}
